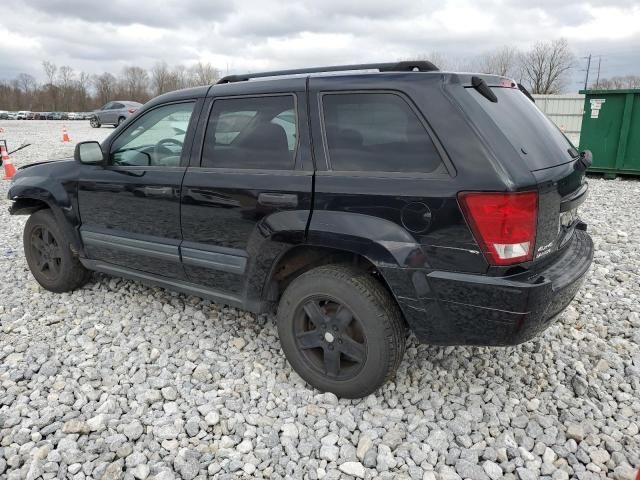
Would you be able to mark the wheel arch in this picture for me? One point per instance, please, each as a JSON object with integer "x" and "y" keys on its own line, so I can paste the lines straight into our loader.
{"x": 27, "y": 201}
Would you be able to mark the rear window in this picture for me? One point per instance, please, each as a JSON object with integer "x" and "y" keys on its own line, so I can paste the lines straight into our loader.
{"x": 541, "y": 144}
{"x": 377, "y": 132}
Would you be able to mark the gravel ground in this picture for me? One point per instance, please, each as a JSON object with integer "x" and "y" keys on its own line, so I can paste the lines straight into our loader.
{"x": 119, "y": 380}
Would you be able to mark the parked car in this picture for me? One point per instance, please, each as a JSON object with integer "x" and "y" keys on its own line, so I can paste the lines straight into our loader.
{"x": 22, "y": 115}
{"x": 4, "y": 115}
{"x": 355, "y": 205}
{"x": 75, "y": 116}
{"x": 31, "y": 116}
{"x": 114, "y": 113}
{"x": 12, "y": 115}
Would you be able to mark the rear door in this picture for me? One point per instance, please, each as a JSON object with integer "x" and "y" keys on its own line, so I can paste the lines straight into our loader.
{"x": 383, "y": 175}
{"x": 250, "y": 164}
{"x": 114, "y": 112}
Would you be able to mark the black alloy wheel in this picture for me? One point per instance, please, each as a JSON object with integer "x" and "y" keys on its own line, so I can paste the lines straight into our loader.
{"x": 47, "y": 252}
{"x": 331, "y": 338}
{"x": 341, "y": 330}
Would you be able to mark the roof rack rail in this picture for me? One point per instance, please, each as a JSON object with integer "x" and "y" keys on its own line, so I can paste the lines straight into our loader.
{"x": 406, "y": 66}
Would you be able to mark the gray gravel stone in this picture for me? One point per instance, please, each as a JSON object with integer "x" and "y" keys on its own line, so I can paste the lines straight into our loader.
{"x": 129, "y": 381}
{"x": 355, "y": 469}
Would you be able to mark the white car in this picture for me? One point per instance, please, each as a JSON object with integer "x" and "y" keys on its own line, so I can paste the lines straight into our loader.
{"x": 23, "y": 115}
{"x": 75, "y": 116}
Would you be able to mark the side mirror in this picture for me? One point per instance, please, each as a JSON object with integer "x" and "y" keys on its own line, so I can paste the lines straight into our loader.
{"x": 89, "y": 153}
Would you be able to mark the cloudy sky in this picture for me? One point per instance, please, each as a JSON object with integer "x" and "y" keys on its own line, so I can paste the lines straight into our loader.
{"x": 251, "y": 35}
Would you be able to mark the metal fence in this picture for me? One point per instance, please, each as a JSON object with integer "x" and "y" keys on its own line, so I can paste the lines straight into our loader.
{"x": 565, "y": 111}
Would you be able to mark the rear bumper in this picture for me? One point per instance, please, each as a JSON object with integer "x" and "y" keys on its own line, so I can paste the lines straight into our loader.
{"x": 466, "y": 309}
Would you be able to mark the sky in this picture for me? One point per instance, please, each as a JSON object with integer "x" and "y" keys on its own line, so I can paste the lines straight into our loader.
{"x": 252, "y": 35}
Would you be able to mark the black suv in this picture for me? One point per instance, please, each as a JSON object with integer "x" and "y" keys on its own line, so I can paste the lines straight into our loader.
{"x": 360, "y": 204}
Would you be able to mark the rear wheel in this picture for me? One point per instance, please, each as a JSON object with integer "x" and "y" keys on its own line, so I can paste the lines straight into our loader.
{"x": 93, "y": 121}
{"x": 49, "y": 257}
{"x": 120, "y": 120}
{"x": 341, "y": 331}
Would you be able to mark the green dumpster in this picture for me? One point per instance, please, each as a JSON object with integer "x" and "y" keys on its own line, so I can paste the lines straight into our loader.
{"x": 611, "y": 130}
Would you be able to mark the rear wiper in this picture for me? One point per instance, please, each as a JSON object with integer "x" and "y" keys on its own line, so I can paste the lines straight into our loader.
{"x": 526, "y": 92}
{"x": 483, "y": 89}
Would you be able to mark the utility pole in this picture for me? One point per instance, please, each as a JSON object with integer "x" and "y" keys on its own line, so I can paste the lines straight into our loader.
{"x": 586, "y": 77}
{"x": 598, "y": 77}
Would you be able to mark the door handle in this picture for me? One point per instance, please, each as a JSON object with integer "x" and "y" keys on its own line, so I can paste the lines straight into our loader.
{"x": 278, "y": 199}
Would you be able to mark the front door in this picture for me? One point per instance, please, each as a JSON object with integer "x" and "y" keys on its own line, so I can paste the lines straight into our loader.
{"x": 254, "y": 179}
{"x": 130, "y": 207}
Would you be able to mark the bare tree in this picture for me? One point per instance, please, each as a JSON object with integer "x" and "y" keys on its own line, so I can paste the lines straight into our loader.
{"x": 204, "y": 73}
{"x": 66, "y": 85}
{"x": 546, "y": 65}
{"x": 50, "y": 70}
{"x": 160, "y": 78}
{"x": 445, "y": 62}
{"x": 27, "y": 82}
{"x": 504, "y": 62}
{"x": 135, "y": 82}
{"x": 618, "y": 83}
{"x": 70, "y": 90}
{"x": 84, "y": 80}
{"x": 105, "y": 86}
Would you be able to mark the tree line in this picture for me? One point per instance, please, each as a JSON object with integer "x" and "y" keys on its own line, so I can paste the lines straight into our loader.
{"x": 544, "y": 68}
{"x": 67, "y": 90}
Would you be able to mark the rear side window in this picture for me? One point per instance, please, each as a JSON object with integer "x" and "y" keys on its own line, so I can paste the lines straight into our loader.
{"x": 252, "y": 133}
{"x": 540, "y": 143}
{"x": 377, "y": 132}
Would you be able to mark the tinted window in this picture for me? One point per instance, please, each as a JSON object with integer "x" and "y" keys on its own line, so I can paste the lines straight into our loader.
{"x": 526, "y": 128}
{"x": 155, "y": 139}
{"x": 259, "y": 133}
{"x": 117, "y": 106}
{"x": 377, "y": 132}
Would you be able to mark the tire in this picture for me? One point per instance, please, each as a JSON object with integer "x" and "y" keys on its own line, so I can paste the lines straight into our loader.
{"x": 49, "y": 257}
{"x": 340, "y": 308}
{"x": 94, "y": 122}
{"x": 120, "y": 120}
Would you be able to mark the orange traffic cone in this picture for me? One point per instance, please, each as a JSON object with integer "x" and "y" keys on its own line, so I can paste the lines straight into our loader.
{"x": 9, "y": 169}
{"x": 65, "y": 136}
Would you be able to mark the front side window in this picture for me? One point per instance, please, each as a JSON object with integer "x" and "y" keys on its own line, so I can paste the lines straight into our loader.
{"x": 155, "y": 139}
{"x": 377, "y": 132}
{"x": 252, "y": 133}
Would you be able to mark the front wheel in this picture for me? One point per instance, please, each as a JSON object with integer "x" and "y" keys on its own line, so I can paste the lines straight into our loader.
{"x": 49, "y": 257}
{"x": 341, "y": 331}
{"x": 120, "y": 120}
{"x": 93, "y": 121}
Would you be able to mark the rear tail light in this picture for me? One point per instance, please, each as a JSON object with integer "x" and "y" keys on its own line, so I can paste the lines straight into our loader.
{"x": 504, "y": 224}
{"x": 131, "y": 110}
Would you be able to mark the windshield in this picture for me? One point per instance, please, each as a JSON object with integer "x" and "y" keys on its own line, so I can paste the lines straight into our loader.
{"x": 541, "y": 144}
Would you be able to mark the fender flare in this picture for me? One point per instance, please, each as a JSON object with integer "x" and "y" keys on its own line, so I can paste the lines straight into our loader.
{"x": 62, "y": 206}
